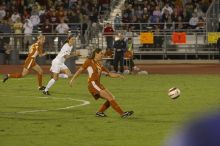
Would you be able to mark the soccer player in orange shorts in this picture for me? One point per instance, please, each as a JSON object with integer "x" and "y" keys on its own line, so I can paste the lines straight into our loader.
{"x": 30, "y": 62}
{"x": 95, "y": 68}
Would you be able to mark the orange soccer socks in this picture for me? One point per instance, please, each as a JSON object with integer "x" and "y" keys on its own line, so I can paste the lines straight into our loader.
{"x": 39, "y": 78}
{"x": 116, "y": 107}
{"x": 15, "y": 75}
{"x": 104, "y": 107}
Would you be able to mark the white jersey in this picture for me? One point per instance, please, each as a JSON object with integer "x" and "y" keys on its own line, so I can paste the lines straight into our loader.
{"x": 66, "y": 50}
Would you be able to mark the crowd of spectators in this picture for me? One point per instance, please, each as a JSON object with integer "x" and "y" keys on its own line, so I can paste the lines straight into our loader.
{"x": 49, "y": 16}
{"x": 165, "y": 14}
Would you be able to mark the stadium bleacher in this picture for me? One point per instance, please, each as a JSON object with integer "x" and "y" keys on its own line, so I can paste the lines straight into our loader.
{"x": 86, "y": 19}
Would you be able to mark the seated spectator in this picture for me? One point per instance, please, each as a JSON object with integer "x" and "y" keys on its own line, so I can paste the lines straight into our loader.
{"x": 167, "y": 8}
{"x": 200, "y": 24}
{"x": 193, "y": 22}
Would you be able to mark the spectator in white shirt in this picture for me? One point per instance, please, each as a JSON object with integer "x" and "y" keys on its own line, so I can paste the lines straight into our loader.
{"x": 2, "y": 12}
{"x": 193, "y": 21}
{"x": 62, "y": 29}
{"x": 168, "y": 8}
{"x": 35, "y": 19}
{"x": 15, "y": 16}
{"x": 28, "y": 30}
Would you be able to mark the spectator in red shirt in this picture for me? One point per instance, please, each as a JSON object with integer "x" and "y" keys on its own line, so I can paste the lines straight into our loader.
{"x": 109, "y": 32}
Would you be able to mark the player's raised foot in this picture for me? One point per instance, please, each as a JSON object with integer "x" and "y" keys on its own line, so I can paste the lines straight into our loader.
{"x": 41, "y": 88}
{"x": 100, "y": 114}
{"x": 5, "y": 78}
{"x": 46, "y": 92}
{"x": 127, "y": 114}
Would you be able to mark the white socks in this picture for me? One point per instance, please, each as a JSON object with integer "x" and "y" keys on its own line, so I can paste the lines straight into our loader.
{"x": 50, "y": 83}
{"x": 65, "y": 76}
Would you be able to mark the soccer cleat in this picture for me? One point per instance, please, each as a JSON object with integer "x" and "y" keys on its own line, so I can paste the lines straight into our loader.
{"x": 127, "y": 114}
{"x": 46, "y": 92}
{"x": 5, "y": 78}
{"x": 100, "y": 114}
{"x": 41, "y": 88}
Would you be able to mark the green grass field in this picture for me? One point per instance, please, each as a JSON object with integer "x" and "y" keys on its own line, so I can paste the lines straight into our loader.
{"x": 28, "y": 118}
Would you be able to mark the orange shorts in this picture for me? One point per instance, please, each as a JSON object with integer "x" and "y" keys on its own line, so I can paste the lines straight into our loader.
{"x": 94, "y": 88}
{"x": 29, "y": 63}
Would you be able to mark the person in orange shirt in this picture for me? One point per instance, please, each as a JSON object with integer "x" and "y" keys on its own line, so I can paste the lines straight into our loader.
{"x": 30, "y": 62}
{"x": 95, "y": 68}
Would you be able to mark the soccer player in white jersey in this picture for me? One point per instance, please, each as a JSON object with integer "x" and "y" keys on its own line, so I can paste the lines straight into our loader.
{"x": 58, "y": 67}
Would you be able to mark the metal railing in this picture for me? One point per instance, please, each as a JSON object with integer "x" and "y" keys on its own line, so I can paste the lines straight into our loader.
{"x": 196, "y": 44}
{"x": 212, "y": 16}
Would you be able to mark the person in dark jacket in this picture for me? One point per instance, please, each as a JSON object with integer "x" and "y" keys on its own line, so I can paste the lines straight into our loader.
{"x": 120, "y": 48}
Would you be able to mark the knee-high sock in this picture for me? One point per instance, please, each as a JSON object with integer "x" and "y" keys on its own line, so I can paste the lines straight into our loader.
{"x": 39, "y": 78}
{"x": 104, "y": 106}
{"x": 116, "y": 107}
{"x": 65, "y": 76}
{"x": 15, "y": 75}
{"x": 50, "y": 83}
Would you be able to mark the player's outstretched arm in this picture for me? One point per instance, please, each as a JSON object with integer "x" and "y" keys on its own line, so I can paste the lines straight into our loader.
{"x": 41, "y": 55}
{"x": 78, "y": 72}
{"x": 115, "y": 75}
{"x": 73, "y": 54}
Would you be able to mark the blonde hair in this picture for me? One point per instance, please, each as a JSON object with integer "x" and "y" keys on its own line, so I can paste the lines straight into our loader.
{"x": 40, "y": 36}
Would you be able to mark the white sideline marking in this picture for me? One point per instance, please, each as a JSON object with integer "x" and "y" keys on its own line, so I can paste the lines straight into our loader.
{"x": 84, "y": 102}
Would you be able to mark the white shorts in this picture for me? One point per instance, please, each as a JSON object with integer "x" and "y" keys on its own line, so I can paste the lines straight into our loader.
{"x": 57, "y": 66}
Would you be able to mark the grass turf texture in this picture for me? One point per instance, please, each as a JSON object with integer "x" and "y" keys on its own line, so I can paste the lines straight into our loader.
{"x": 156, "y": 115}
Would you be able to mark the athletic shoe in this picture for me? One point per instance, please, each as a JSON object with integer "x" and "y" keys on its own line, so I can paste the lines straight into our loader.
{"x": 100, "y": 114}
{"x": 46, "y": 92}
{"x": 5, "y": 78}
{"x": 41, "y": 88}
{"x": 127, "y": 114}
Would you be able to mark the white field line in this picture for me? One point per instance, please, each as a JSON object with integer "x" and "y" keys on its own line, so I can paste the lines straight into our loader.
{"x": 84, "y": 102}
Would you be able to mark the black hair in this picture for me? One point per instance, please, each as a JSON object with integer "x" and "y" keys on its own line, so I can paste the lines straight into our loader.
{"x": 97, "y": 50}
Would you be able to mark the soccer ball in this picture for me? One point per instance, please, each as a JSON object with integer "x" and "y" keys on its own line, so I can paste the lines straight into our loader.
{"x": 174, "y": 93}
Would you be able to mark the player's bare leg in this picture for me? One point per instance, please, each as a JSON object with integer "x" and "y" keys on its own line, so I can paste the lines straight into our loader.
{"x": 39, "y": 71}
{"x": 66, "y": 73}
{"x": 16, "y": 75}
{"x": 109, "y": 97}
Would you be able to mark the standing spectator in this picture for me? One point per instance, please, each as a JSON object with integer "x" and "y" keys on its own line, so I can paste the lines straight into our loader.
{"x": 62, "y": 29}
{"x": 15, "y": 16}
{"x": 167, "y": 8}
{"x": 75, "y": 19}
{"x": 5, "y": 28}
{"x": 2, "y": 12}
{"x": 35, "y": 19}
{"x": 47, "y": 30}
{"x": 108, "y": 32}
{"x": 189, "y": 7}
{"x": 28, "y": 30}
{"x": 129, "y": 54}
{"x": 18, "y": 27}
{"x": 117, "y": 22}
{"x": 120, "y": 47}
